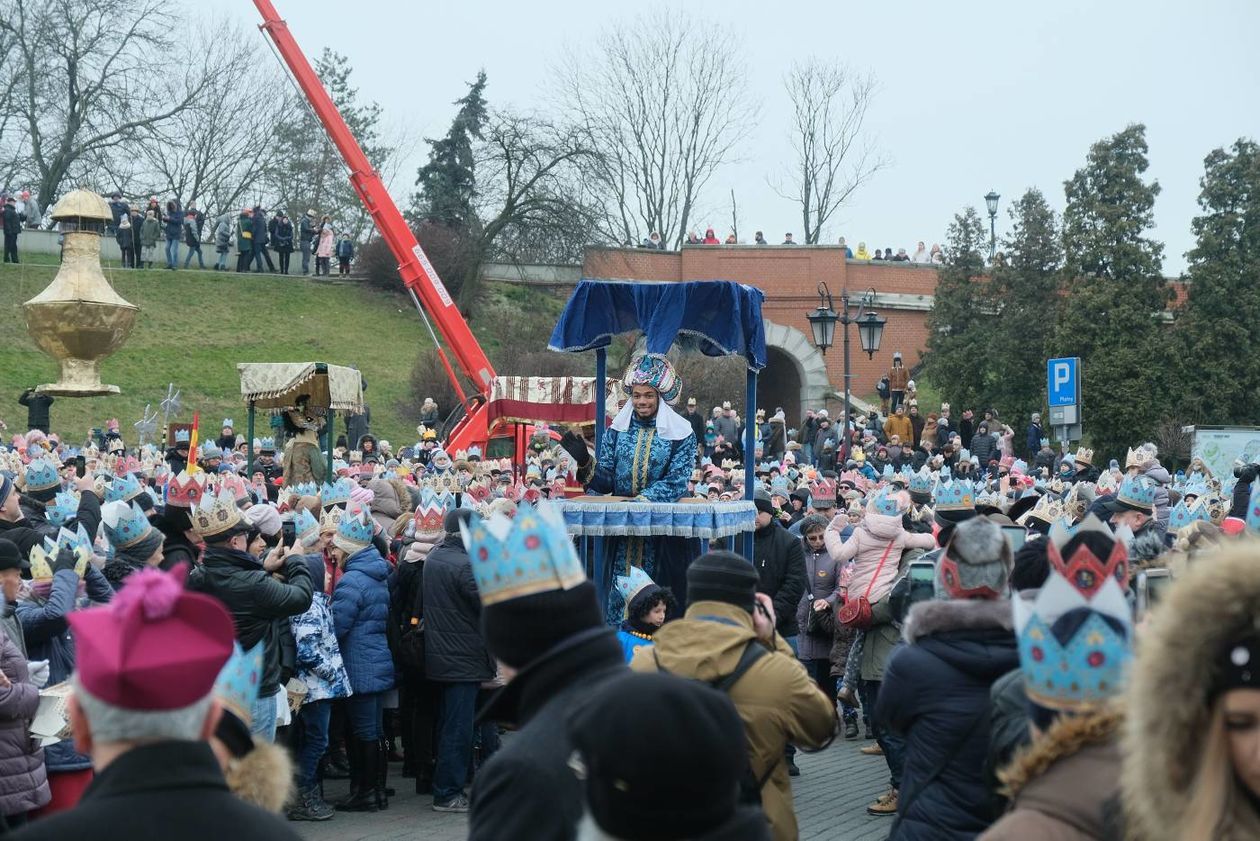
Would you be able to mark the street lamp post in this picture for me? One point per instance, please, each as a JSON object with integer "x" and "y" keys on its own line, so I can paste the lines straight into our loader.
{"x": 822, "y": 322}
{"x": 991, "y": 199}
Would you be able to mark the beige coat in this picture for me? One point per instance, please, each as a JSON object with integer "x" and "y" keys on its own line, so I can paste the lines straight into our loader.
{"x": 777, "y": 700}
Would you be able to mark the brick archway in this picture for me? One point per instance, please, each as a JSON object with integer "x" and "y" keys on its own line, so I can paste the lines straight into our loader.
{"x": 811, "y": 368}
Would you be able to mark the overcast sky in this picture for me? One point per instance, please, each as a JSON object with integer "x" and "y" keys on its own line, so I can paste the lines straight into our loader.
{"x": 973, "y": 95}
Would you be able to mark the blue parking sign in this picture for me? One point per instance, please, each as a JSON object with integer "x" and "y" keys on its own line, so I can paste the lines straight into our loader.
{"x": 1063, "y": 381}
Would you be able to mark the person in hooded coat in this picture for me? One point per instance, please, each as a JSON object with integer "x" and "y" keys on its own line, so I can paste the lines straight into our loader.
{"x": 935, "y": 692}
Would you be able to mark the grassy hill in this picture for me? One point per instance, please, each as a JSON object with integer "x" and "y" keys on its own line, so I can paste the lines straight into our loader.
{"x": 195, "y": 326}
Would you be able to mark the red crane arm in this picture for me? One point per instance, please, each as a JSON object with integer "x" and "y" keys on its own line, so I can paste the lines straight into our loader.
{"x": 414, "y": 267}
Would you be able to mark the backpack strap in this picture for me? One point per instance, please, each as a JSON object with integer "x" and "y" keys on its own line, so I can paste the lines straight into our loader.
{"x": 753, "y": 652}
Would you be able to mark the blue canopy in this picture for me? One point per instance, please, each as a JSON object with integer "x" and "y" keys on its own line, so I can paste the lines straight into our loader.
{"x": 723, "y": 317}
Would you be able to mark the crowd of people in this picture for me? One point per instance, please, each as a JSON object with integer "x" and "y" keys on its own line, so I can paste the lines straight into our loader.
{"x": 921, "y": 254}
{"x": 1025, "y": 646}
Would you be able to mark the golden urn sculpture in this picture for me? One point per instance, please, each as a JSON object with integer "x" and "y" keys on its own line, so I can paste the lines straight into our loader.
{"x": 79, "y": 319}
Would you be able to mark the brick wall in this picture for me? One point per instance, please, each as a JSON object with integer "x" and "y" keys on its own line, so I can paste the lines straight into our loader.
{"x": 790, "y": 276}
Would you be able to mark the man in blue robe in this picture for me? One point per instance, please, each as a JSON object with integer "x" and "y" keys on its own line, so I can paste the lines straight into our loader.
{"x": 646, "y": 455}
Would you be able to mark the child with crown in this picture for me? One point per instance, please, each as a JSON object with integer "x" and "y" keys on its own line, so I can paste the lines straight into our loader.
{"x": 647, "y": 455}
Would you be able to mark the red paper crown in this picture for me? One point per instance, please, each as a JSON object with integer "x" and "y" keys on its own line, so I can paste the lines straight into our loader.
{"x": 185, "y": 491}
{"x": 1083, "y": 569}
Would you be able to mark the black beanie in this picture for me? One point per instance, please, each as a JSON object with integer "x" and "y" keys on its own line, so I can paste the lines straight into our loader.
{"x": 519, "y": 631}
{"x": 671, "y": 768}
{"x": 11, "y": 556}
{"x": 722, "y": 576}
{"x": 455, "y": 518}
{"x": 762, "y": 502}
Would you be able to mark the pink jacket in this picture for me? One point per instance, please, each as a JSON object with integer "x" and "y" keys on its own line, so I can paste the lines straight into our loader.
{"x": 325, "y": 247}
{"x": 866, "y": 546}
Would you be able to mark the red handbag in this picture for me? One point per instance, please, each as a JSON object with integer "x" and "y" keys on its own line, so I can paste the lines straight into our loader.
{"x": 856, "y": 613}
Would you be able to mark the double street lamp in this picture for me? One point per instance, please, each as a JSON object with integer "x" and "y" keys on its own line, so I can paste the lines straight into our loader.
{"x": 822, "y": 322}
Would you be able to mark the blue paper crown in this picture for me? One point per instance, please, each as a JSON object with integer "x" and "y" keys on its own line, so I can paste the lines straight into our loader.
{"x": 1019, "y": 466}
{"x": 1183, "y": 515}
{"x": 305, "y": 489}
{"x": 306, "y": 527}
{"x": 337, "y": 493}
{"x": 356, "y": 526}
{"x": 1074, "y": 652}
{"x": 888, "y": 471}
{"x": 630, "y": 585}
{"x": 228, "y": 422}
{"x": 1138, "y": 491}
{"x": 63, "y": 508}
{"x": 529, "y": 554}
{"x": 921, "y": 482}
{"x": 239, "y": 680}
{"x": 955, "y": 495}
{"x": 42, "y": 474}
{"x": 123, "y": 488}
{"x": 445, "y": 499}
{"x": 886, "y": 502}
{"x": 1197, "y": 486}
{"x": 779, "y": 485}
{"x": 181, "y": 436}
{"x": 125, "y": 525}
{"x": 267, "y": 443}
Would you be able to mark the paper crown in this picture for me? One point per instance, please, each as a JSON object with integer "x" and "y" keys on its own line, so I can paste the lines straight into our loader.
{"x": 478, "y": 492}
{"x": 888, "y": 472}
{"x": 181, "y": 436}
{"x": 233, "y": 484}
{"x": 1137, "y": 491}
{"x": 1183, "y": 515}
{"x": 1196, "y": 486}
{"x": 123, "y": 488}
{"x": 42, "y": 474}
{"x": 1019, "y": 466}
{"x": 1137, "y": 458}
{"x": 1085, "y": 455}
{"x": 155, "y": 646}
{"x": 779, "y": 485}
{"x": 528, "y": 554}
{"x": 1073, "y": 558}
{"x": 921, "y": 482}
{"x": 329, "y": 520}
{"x": 184, "y": 490}
{"x": 238, "y": 682}
{"x": 306, "y": 527}
{"x": 1074, "y": 652}
{"x": 61, "y": 509}
{"x": 631, "y": 585}
{"x": 430, "y": 513}
{"x": 265, "y": 445}
{"x": 43, "y": 555}
{"x": 1106, "y": 483}
{"x": 955, "y": 495}
{"x": 216, "y": 514}
{"x": 887, "y": 502}
{"x": 653, "y": 369}
{"x": 305, "y": 489}
{"x": 124, "y": 524}
{"x": 355, "y": 528}
{"x": 337, "y": 493}
{"x": 227, "y": 422}
{"x": 1047, "y": 509}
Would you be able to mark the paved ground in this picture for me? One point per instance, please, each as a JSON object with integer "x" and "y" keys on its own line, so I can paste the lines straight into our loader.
{"x": 831, "y": 796}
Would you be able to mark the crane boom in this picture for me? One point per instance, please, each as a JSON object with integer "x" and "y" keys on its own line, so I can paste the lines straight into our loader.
{"x": 416, "y": 271}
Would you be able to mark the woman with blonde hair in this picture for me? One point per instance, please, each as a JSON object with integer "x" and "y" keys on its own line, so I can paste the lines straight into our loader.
{"x": 1192, "y": 740}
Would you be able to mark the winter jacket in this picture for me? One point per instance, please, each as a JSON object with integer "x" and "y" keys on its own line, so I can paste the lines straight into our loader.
{"x": 527, "y": 791}
{"x": 150, "y": 232}
{"x": 866, "y": 546}
{"x": 900, "y": 426}
{"x": 360, "y": 608}
{"x": 325, "y": 246}
{"x": 780, "y": 564}
{"x": 223, "y": 234}
{"x": 118, "y": 209}
{"x": 1158, "y": 474}
{"x": 1067, "y": 786}
{"x": 306, "y": 232}
{"x": 173, "y": 224}
{"x": 319, "y": 663}
{"x": 12, "y": 224}
{"x": 259, "y": 604}
{"x": 822, "y": 581}
{"x": 1033, "y": 439}
{"x": 23, "y": 780}
{"x": 984, "y": 447}
{"x": 935, "y": 695}
{"x": 898, "y": 378}
{"x": 282, "y": 235}
{"x": 36, "y": 404}
{"x": 191, "y": 238}
{"x": 345, "y": 249}
{"x": 454, "y": 649}
{"x": 777, "y": 700}
{"x": 259, "y": 227}
{"x": 1008, "y": 721}
{"x": 725, "y": 426}
{"x": 244, "y": 233}
{"x": 43, "y": 618}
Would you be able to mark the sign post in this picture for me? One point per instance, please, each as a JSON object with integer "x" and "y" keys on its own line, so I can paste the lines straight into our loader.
{"x": 1063, "y": 392}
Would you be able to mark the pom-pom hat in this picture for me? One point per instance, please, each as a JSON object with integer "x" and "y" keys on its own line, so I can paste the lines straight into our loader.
{"x": 155, "y": 647}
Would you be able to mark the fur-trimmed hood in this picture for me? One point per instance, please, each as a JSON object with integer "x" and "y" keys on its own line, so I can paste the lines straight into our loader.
{"x": 263, "y": 777}
{"x": 1043, "y": 761}
{"x": 1168, "y": 702}
{"x": 939, "y": 616}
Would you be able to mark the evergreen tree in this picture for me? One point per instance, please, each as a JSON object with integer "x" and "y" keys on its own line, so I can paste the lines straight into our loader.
{"x": 1217, "y": 342}
{"x": 448, "y": 182}
{"x": 961, "y": 321}
{"x": 1025, "y": 291}
{"x": 1111, "y": 316}
{"x": 305, "y": 171}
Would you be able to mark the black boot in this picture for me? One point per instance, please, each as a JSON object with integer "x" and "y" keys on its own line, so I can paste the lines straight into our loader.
{"x": 310, "y": 806}
{"x": 850, "y": 728}
{"x": 383, "y": 791}
{"x": 362, "y": 756}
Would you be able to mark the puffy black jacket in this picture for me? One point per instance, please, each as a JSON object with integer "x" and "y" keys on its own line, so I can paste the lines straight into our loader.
{"x": 258, "y": 603}
{"x": 453, "y": 647}
{"x": 935, "y": 695}
{"x": 780, "y": 564}
{"x": 983, "y": 447}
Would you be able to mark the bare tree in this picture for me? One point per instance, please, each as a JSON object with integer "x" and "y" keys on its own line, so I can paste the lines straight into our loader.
{"x": 834, "y": 157}
{"x": 94, "y": 73}
{"x": 14, "y": 152}
{"x": 664, "y": 102}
